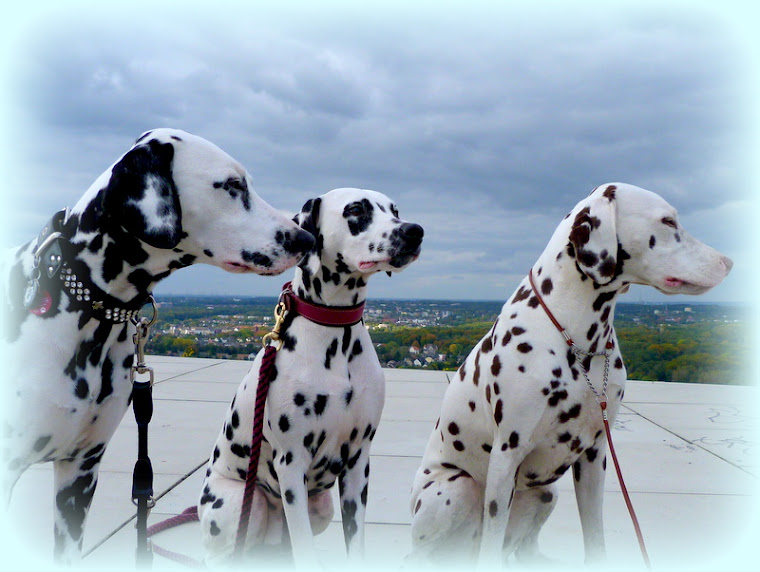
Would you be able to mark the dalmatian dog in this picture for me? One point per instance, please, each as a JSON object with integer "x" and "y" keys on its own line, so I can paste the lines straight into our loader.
{"x": 520, "y": 412}
{"x": 324, "y": 405}
{"x": 172, "y": 200}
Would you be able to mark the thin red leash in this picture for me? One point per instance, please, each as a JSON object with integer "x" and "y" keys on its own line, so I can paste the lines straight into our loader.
{"x": 626, "y": 496}
{"x": 603, "y": 406}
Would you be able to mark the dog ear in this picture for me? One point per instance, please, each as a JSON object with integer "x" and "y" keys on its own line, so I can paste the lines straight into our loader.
{"x": 594, "y": 238}
{"x": 308, "y": 218}
{"x": 141, "y": 197}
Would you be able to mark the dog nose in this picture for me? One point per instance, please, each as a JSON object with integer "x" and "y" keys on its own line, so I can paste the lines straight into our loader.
{"x": 728, "y": 263}
{"x": 411, "y": 233}
{"x": 298, "y": 243}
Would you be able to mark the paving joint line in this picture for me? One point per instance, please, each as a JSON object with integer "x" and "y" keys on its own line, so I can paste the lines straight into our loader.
{"x": 134, "y": 516}
{"x": 693, "y": 444}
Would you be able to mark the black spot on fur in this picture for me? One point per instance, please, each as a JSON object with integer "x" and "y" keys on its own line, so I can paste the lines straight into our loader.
{"x": 355, "y": 350}
{"x": 498, "y": 413}
{"x": 81, "y": 390}
{"x": 320, "y": 403}
{"x": 495, "y": 366}
{"x": 571, "y": 413}
{"x": 242, "y": 451}
{"x": 106, "y": 380}
{"x": 557, "y": 396}
{"x": 602, "y": 299}
{"x": 41, "y": 443}
{"x": 256, "y": 258}
{"x": 331, "y": 352}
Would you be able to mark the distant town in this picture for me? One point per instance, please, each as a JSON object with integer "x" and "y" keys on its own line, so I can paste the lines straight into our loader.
{"x": 438, "y": 334}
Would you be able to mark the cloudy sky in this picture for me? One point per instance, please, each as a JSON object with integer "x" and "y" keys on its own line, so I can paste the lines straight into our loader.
{"x": 485, "y": 121}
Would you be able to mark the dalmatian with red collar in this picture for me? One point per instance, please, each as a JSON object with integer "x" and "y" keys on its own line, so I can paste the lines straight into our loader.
{"x": 523, "y": 409}
{"x": 325, "y": 402}
{"x": 68, "y": 298}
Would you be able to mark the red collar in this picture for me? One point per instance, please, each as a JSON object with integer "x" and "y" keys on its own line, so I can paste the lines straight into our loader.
{"x": 319, "y": 314}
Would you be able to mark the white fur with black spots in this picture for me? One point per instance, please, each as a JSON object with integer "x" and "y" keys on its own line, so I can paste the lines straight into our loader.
{"x": 174, "y": 199}
{"x": 519, "y": 413}
{"x": 325, "y": 402}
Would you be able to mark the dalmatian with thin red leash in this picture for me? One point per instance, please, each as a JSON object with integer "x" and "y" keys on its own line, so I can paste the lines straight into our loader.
{"x": 70, "y": 296}
{"x": 325, "y": 402}
{"x": 523, "y": 408}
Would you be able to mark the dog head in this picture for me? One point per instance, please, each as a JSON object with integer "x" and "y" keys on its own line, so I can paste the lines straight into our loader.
{"x": 360, "y": 231}
{"x": 622, "y": 232}
{"x": 174, "y": 190}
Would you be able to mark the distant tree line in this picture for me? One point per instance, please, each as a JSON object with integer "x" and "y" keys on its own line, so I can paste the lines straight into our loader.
{"x": 696, "y": 353}
{"x": 712, "y": 348}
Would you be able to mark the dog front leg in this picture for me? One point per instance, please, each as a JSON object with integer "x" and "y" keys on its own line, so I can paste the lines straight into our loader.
{"x": 75, "y": 482}
{"x": 295, "y": 502}
{"x": 353, "y": 485}
{"x": 499, "y": 494}
{"x": 588, "y": 478}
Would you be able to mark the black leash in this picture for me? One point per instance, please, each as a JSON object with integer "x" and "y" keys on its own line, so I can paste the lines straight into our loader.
{"x": 142, "y": 403}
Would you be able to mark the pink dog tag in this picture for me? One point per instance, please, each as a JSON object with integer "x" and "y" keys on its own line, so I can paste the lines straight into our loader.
{"x": 44, "y": 305}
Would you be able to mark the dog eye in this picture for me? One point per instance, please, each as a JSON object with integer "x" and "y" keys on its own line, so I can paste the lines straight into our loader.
{"x": 236, "y": 184}
{"x": 669, "y": 221}
{"x": 355, "y": 209}
{"x": 394, "y": 211}
{"x": 232, "y": 183}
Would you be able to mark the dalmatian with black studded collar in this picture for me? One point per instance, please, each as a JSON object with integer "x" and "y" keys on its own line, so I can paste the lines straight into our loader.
{"x": 172, "y": 200}
{"x": 519, "y": 413}
{"x": 325, "y": 402}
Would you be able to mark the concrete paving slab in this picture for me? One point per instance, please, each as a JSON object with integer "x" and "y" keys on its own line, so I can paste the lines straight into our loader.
{"x": 688, "y": 454}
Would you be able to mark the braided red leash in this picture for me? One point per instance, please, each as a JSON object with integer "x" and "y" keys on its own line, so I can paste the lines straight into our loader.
{"x": 267, "y": 372}
{"x": 190, "y": 514}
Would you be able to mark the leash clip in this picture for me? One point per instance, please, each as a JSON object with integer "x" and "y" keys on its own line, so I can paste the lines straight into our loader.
{"x": 140, "y": 338}
{"x": 280, "y": 311}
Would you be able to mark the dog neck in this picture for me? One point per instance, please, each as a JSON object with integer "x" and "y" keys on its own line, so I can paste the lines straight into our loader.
{"x": 584, "y": 308}
{"x": 117, "y": 263}
{"x": 329, "y": 283}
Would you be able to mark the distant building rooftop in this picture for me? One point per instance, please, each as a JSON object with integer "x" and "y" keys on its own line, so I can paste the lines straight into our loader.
{"x": 688, "y": 454}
